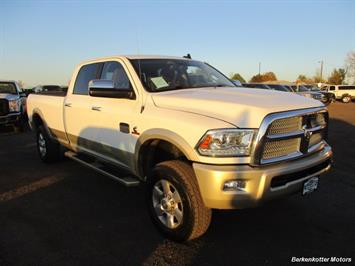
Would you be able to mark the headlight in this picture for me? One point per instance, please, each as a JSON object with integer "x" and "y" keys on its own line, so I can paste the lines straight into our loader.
{"x": 226, "y": 142}
{"x": 14, "y": 106}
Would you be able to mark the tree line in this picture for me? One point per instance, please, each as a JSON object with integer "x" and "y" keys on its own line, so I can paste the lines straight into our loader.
{"x": 338, "y": 76}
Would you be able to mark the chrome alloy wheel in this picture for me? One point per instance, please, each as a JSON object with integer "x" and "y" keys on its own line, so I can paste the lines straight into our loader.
{"x": 42, "y": 145}
{"x": 167, "y": 204}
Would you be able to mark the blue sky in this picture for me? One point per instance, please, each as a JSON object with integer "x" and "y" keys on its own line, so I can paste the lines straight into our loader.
{"x": 42, "y": 41}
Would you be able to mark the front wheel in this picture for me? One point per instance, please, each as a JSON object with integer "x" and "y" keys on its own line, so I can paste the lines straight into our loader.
{"x": 175, "y": 202}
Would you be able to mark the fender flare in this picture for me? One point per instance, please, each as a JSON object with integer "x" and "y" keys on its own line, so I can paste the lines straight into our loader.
{"x": 165, "y": 135}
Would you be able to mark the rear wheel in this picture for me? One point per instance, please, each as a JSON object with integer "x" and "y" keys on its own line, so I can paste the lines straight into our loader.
{"x": 175, "y": 202}
{"x": 49, "y": 151}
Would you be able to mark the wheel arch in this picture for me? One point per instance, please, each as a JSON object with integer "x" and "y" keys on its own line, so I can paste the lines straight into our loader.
{"x": 150, "y": 143}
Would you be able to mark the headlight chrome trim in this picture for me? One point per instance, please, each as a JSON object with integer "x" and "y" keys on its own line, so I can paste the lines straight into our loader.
{"x": 222, "y": 131}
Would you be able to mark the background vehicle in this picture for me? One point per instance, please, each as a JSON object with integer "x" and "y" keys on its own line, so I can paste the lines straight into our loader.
{"x": 287, "y": 88}
{"x": 345, "y": 93}
{"x": 12, "y": 105}
{"x": 182, "y": 127}
{"x": 304, "y": 91}
{"x": 48, "y": 88}
{"x": 329, "y": 96}
{"x": 279, "y": 87}
{"x": 256, "y": 86}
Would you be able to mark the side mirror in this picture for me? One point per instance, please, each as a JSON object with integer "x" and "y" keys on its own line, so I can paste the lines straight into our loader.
{"x": 23, "y": 94}
{"x": 106, "y": 88}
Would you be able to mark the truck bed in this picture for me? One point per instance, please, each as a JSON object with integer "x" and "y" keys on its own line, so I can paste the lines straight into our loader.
{"x": 49, "y": 106}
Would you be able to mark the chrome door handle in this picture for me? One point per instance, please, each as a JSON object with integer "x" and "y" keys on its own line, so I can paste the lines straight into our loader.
{"x": 67, "y": 104}
{"x": 96, "y": 108}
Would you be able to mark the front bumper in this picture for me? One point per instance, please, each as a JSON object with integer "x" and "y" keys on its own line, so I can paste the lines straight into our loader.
{"x": 261, "y": 183}
{"x": 10, "y": 119}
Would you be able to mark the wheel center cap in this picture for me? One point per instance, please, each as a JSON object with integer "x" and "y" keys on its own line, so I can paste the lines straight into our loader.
{"x": 166, "y": 204}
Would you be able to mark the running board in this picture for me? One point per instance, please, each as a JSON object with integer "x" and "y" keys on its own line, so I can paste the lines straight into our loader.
{"x": 128, "y": 180}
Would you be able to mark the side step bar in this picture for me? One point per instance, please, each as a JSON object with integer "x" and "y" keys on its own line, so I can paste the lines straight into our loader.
{"x": 128, "y": 181}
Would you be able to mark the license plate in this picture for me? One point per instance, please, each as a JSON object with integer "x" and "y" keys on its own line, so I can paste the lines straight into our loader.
{"x": 310, "y": 185}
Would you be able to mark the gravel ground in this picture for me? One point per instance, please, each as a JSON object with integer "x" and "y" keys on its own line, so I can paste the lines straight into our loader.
{"x": 65, "y": 214}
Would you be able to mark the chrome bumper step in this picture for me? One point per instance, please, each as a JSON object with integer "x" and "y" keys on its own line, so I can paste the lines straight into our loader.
{"x": 127, "y": 180}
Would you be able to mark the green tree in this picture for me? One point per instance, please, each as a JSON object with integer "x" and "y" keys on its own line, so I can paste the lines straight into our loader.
{"x": 337, "y": 77}
{"x": 237, "y": 76}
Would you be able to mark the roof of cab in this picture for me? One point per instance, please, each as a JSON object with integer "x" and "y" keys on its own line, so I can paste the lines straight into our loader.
{"x": 133, "y": 57}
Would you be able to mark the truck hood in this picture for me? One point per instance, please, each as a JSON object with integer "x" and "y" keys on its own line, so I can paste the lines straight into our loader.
{"x": 242, "y": 107}
{"x": 8, "y": 96}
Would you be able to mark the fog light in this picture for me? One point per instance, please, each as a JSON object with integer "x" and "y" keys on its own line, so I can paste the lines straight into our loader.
{"x": 234, "y": 185}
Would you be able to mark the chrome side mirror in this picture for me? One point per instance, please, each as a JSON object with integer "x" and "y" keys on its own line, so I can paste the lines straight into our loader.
{"x": 106, "y": 88}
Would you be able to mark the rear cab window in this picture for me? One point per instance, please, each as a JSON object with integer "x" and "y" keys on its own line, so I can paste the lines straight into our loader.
{"x": 85, "y": 75}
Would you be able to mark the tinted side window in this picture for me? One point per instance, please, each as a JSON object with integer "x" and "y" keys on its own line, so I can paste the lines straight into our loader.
{"x": 86, "y": 73}
{"x": 346, "y": 87}
{"x": 115, "y": 72}
{"x": 331, "y": 88}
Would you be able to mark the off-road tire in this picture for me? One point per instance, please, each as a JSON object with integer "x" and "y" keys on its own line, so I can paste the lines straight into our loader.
{"x": 196, "y": 217}
{"x": 52, "y": 149}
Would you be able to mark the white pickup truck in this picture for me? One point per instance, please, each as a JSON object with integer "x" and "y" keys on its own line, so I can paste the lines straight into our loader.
{"x": 184, "y": 129}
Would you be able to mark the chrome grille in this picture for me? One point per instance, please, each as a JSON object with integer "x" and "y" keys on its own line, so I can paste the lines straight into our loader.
{"x": 315, "y": 139}
{"x": 281, "y": 148}
{"x": 285, "y": 125}
{"x": 290, "y": 135}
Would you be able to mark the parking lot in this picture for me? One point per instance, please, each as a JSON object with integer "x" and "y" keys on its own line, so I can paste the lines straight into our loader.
{"x": 66, "y": 214}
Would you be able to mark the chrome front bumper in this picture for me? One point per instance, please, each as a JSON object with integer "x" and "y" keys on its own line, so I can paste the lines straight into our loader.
{"x": 261, "y": 183}
{"x": 11, "y": 118}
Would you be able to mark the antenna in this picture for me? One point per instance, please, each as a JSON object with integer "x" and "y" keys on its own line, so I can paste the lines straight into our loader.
{"x": 188, "y": 56}
{"x": 140, "y": 73}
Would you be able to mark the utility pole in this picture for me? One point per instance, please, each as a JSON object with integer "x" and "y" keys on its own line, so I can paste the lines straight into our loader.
{"x": 259, "y": 67}
{"x": 321, "y": 70}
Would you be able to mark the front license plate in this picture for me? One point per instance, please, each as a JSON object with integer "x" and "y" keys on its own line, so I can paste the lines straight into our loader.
{"x": 310, "y": 185}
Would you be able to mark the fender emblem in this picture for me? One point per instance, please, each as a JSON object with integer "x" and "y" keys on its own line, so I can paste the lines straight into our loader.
{"x": 134, "y": 131}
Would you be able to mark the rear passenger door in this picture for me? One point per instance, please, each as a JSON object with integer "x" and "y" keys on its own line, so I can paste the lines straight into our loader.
{"x": 116, "y": 118}
{"x": 79, "y": 123}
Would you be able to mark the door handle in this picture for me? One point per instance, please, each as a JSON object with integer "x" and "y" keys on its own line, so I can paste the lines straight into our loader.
{"x": 67, "y": 104}
{"x": 96, "y": 108}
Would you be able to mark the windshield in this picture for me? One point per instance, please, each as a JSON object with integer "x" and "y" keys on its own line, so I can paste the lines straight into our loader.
{"x": 172, "y": 74}
{"x": 6, "y": 87}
